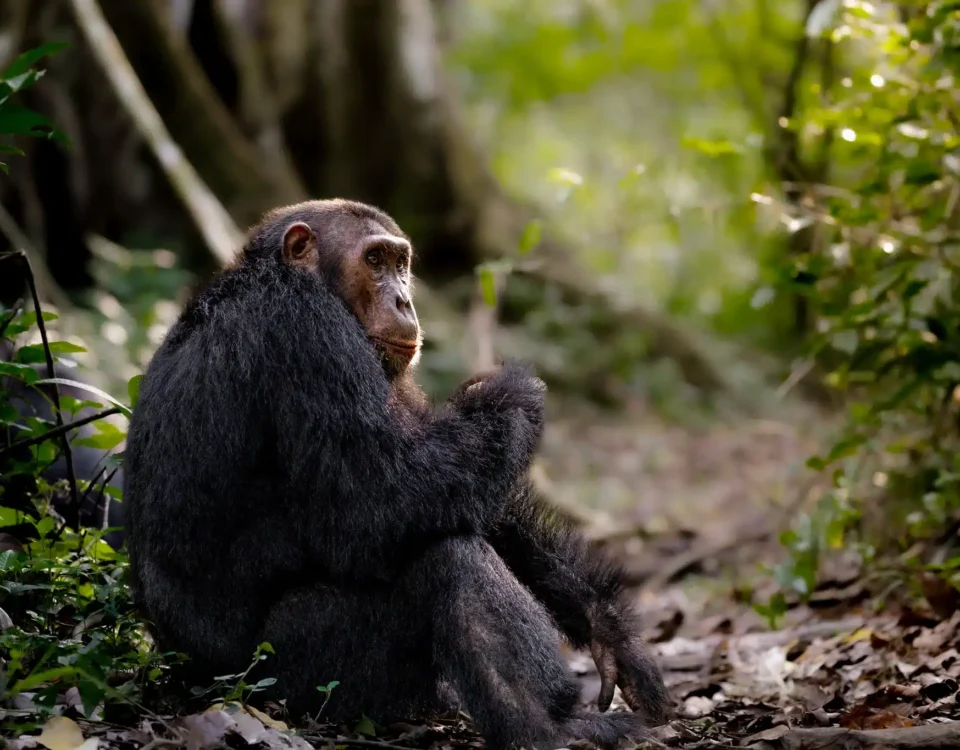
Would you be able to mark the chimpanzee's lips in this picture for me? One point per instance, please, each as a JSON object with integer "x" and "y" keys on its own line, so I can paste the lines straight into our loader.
{"x": 400, "y": 347}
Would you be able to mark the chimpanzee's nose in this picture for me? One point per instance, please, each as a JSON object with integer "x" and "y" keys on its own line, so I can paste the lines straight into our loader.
{"x": 404, "y": 306}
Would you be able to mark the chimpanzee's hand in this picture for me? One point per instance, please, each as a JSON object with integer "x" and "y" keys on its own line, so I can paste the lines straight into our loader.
{"x": 471, "y": 384}
{"x": 623, "y": 662}
{"x": 511, "y": 387}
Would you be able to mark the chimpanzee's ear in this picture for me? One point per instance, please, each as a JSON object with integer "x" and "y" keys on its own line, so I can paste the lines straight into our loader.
{"x": 300, "y": 246}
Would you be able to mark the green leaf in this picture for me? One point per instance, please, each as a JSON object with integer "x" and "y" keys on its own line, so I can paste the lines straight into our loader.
{"x": 18, "y": 120}
{"x": 845, "y": 448}
{"x": 34, "y": 354}
{"x": 90, "y": 389}
{"x": 488, "y": 285}
{"x": 530, "y": 237}
{"x": 365, "y": 726}
{"x": 133, "y": 390}
{"x": 27, "y": 321}
{"x": 24, "y": 373}
{"x": 109, "y": 436}
{"x": 26, "y": 60}
{"x": 712, "y": 148}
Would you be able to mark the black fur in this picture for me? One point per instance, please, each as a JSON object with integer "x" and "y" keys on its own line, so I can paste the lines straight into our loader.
{"x": 281, "y": 488}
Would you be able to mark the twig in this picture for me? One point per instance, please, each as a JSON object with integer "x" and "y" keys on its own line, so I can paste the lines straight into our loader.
{"x": 51, "y": 374}
{"x": 785, "y": 147}
{"x": 356, "y": 743}
{"x": 796, "y": 375}
{"x": 60, "y": 429}
{"x": 215, "y": 224}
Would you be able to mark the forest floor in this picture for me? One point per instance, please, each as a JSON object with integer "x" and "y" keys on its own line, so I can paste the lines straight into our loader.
{"x": 709, "y": 506}
{"x": 695, "y": 516}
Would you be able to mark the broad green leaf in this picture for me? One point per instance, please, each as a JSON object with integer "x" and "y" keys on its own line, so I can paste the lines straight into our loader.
{"x": 18, "y": 120}
{"x": 109, "y": 436}
{"x": 34, "y": 353}
{"x": 27, "y": 59}
{"x": 26, "y": 373}
{"x": 89, "y": 389}
{"x": 133, "y": 390}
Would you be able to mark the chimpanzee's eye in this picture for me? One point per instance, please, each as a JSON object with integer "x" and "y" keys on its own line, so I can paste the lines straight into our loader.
{"x": 373, "y": 258}
{"x": 403, "y": 262}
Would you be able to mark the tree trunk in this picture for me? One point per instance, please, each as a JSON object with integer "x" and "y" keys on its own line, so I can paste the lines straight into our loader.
{"x": 245, "y": 180}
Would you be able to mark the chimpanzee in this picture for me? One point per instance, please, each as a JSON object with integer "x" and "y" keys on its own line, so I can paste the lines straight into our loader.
{"x": 288, "y": 482}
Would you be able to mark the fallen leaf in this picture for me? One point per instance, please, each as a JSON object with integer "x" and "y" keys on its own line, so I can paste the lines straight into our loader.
{"x": 860, "y": 634}
{"x": 943, "y": 598}
{"x": 247, "y": 727}
{"x": 861, "y": 717}
{"x": 207, "y": 729}
{"x": 697, "y": 706}
{"x": 267, "y": 721}
{"x": 61, "y": 733}
{"x": 770, "y": 735}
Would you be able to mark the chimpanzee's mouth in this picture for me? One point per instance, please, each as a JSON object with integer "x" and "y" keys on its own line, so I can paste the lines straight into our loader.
{"x": 400, "y": 347}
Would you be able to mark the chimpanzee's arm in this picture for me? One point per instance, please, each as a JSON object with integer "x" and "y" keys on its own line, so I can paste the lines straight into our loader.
{"x": 552, "y": 559}
{"x": 375, "y": 486}
{"x": 586, "y": 596}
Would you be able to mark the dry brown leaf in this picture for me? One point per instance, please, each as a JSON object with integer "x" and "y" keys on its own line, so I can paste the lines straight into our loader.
{"x": 267, "y": 721}
{"x": 943, "y": 598}
{"x": 201, "y": 731}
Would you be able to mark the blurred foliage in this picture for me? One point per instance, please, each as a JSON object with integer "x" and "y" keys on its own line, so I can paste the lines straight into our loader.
{"x": 624, "y": 120}
{"x": 882, "y": 278}
{"x": 68, "y": 621}
{"x": 15, "y": 119}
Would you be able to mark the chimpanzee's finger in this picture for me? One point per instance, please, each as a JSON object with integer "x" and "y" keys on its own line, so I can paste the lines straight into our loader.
{"x": 630, "y": 694}
{"x": 606, "y": 662}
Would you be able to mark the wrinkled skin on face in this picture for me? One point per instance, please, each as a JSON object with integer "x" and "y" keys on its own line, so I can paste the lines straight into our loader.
{"x": 375, "y": 268}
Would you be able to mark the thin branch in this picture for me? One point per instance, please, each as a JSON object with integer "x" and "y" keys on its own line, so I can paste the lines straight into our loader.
{"x": 785, "y": 151}
{"x": 828, "y": 71}
{"x": 61, "y": 429}
{"x": 52, "y": 374}
{"x": 215, "y": 224}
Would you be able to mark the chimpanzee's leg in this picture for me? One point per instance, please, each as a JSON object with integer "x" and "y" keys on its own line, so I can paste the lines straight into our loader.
{"x": 585, "y": 594}
{"x": 374, "y": 643}
{"x": 497, "y": 645}
{"x": 456, "y": 614}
